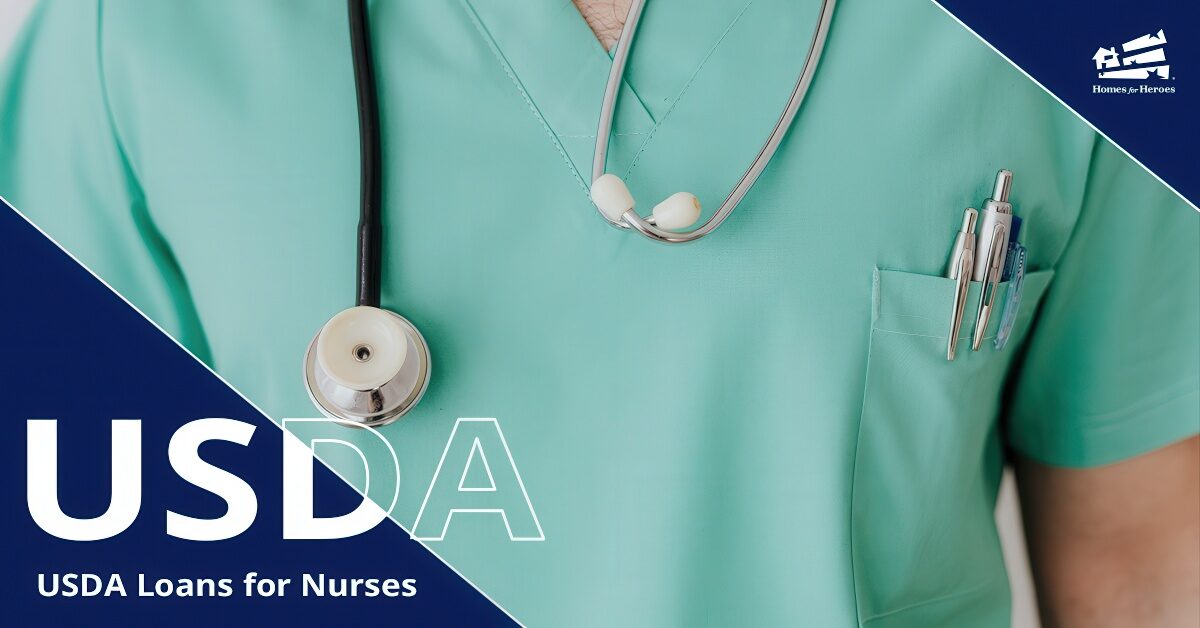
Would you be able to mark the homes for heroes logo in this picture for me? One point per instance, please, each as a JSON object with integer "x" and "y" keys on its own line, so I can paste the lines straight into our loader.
{"x": 1141, "y": 59}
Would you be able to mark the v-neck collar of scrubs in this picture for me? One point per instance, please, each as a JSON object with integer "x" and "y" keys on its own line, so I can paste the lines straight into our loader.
{"x": 561, "y": 69}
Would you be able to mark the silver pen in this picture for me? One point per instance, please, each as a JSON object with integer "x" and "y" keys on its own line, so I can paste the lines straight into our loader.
{"x": 991, "y": 283}
{"x": 961, "y": 268}
{"x": 989, "y": 264}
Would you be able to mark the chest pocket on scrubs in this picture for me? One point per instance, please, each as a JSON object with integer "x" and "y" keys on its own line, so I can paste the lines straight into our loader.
{"x": 925, "y": 549}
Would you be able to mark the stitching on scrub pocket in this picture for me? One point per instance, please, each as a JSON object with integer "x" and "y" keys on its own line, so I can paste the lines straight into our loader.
{"x": 903, "y": 333}
{"x": 923, "y": 541}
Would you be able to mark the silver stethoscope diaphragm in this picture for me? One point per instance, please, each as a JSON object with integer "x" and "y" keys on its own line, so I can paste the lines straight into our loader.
{"x": 367, "y": 365}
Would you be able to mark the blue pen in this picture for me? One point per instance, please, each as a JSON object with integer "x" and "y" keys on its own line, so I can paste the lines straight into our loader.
{"x": 1010, "y": 261}
{"x": 1013, "y": 298}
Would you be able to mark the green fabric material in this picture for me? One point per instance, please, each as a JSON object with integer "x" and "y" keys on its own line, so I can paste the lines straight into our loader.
{"x": 1114, "y": 360}
{"x": 928, "y": 461}
{"x": 756, "y": 429}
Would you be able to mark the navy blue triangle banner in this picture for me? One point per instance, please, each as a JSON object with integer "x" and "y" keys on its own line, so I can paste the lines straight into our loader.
{"x": 83, "y": 367}
{"x": 1131, "y": 69}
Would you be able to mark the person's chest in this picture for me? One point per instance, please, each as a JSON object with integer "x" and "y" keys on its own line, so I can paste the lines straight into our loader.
{"x": 737, "y": 359}
{"x": 488, "y": 129}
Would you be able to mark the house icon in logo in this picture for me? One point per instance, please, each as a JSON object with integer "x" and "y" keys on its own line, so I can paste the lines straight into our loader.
{"x": 1106, "y": 58}
{"x": 1140, "y": 59}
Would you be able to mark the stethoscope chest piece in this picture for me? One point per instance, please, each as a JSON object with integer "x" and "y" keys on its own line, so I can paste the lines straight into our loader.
{"x": 367, "y": 365}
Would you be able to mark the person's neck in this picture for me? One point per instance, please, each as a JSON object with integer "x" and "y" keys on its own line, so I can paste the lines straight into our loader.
{"x": 605, "y": 17}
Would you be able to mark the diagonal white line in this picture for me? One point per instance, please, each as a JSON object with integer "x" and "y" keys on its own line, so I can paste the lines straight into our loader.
{"x": 1063, "y": 103}
{"x": 247, "y": 400}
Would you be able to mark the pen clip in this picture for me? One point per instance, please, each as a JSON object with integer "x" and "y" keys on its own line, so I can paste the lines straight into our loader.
{"x": 987, "y": 295}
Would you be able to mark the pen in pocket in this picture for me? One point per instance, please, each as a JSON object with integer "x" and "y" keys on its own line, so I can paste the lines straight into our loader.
{"x": 1012, "y": 300}
{"x": 961, "y": 268}
{"x": 993, "y": 256}
{"x": 996, "y": 224}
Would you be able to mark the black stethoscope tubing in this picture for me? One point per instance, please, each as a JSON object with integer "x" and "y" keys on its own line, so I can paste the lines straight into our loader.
{"x": 370, "y": 238}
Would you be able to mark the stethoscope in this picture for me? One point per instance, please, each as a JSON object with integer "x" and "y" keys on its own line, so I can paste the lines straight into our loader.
{"x": 370, "y": 366}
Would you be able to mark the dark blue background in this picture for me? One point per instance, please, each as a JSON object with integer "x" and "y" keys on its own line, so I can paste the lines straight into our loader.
{"x": 73, "y": 351}
{"x": 1054, "y": 42}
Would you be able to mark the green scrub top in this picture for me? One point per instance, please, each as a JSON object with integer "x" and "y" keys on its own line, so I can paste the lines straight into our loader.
{"x": 759, "y": 428}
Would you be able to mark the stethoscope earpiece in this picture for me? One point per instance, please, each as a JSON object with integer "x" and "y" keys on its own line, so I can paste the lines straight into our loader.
{"x": 679, "y": 211}
{"x": 613, "y": 198}
{"x": 367, "y": 365}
